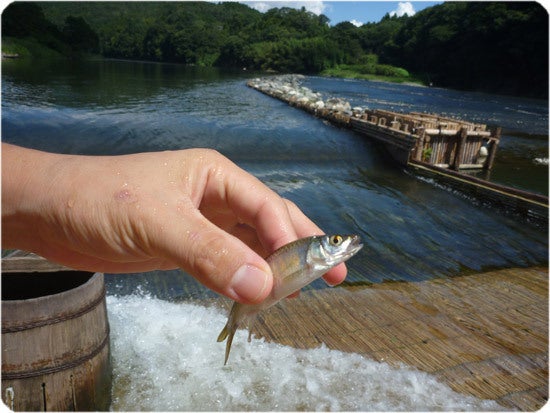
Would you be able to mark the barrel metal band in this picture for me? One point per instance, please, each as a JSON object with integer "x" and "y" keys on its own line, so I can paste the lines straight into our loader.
{"x": 61, "y": 367}
{"x": 55, "y": 320}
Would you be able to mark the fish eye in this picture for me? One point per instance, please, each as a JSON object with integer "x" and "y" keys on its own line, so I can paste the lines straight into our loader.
{"x": 335, "y": 240}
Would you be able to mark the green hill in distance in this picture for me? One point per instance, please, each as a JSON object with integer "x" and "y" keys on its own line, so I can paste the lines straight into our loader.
{"x": 499, "y": 47}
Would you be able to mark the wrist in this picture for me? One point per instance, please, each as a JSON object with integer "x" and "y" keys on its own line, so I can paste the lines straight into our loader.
{"x": 28, "y": 181}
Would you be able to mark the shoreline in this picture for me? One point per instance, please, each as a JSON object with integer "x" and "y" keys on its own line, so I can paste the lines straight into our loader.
{"x": 375, "y": 78}
{"x": 369, "y": 78}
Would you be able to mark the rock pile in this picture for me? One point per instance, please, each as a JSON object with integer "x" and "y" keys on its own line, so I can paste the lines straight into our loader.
{"x": 288, "y": 88}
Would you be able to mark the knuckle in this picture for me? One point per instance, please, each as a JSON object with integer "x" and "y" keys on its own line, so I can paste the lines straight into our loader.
{"x": 209, "y": 258}
{"x": 291, "y": 206}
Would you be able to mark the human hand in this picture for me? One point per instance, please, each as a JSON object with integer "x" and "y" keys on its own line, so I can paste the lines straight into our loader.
{"x": 191, "y": 209}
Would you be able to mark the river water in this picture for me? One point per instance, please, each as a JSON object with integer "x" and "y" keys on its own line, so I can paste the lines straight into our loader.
{"x": 413, "y": 230}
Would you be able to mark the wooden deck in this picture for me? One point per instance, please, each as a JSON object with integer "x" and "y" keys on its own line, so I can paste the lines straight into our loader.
{"x": 485, "y": 334}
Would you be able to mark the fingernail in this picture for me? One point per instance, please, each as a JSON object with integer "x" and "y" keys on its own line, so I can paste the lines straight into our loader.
{"x": 249, "y": 282}
{"x": 329, "y": 284}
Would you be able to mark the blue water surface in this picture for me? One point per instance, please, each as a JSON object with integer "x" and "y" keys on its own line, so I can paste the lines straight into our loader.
{"x": 413, "y": 230}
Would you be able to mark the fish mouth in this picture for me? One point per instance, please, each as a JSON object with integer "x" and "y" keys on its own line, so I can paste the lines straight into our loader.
{"x": 354, "y": 246}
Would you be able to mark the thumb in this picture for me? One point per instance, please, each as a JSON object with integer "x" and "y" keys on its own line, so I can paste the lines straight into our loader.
{"x": 219, "y": 260}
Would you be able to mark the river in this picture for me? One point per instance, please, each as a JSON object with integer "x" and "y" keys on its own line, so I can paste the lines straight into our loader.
{"x": 413, "y": 230}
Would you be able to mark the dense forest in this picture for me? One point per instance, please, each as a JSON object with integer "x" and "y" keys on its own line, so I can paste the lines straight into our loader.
{"x": 488, "y": 46}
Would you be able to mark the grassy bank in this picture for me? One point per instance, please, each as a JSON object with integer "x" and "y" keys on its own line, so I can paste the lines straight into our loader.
{"x": 28, "y": 47}
{"x": 377, "y": 72}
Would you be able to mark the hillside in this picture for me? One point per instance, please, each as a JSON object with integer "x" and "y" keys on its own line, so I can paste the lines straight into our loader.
{"x": 498, "y": 47}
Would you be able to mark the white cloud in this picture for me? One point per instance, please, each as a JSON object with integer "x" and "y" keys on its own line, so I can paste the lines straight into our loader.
{"x": 356, "y": 23}
{"x": 316, "y": 7}
{"x": 402, "y": 9}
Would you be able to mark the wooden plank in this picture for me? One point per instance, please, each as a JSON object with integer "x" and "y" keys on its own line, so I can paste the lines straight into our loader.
{"x": 527, "y": 204}
{"x": 22, "y": 261}
{"x": 493, "y": 148}
{"x": 459, "y": 152}
{"x": 440, "y": 118}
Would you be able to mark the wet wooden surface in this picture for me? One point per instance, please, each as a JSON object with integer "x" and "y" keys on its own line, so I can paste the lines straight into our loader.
{"x": 485, "y": 334}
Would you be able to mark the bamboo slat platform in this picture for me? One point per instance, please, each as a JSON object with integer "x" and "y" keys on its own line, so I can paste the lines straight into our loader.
{"x": 485, "y": 335}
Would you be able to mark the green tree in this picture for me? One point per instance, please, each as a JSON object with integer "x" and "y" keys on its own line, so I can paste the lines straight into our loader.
{"x": 493, "y": 46}
{"x": 346, "y": 36}
{"x": 124, "y": 39}
{"x": 79, "y": 35}
{"x": 27, "y": 20}
{"x": 22, "y": 19}
{"x": 233, "y": 53}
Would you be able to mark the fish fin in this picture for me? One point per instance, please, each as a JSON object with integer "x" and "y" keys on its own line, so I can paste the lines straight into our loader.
{"x": 233, "y": 322}
{"x": 230, "y": 335}
{"x": 223, "y": 334}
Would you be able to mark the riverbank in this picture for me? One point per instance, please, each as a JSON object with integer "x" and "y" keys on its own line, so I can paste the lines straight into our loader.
{"x": 376, "y": 72}
{"x": 28, "y": 49}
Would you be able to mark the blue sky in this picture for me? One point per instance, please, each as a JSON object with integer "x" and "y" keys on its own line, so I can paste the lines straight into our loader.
{"x": 370, "y": 11}
{"x": 357, "y": 12}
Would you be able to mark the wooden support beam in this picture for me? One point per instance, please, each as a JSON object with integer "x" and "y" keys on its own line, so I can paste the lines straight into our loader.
{"x": 461, "y": 142}
{"x": 493, "y": 149}
{"x": 420, "y": 144}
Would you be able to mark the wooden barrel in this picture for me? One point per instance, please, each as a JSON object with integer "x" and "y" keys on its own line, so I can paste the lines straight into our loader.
{"x": 55, "y": 341}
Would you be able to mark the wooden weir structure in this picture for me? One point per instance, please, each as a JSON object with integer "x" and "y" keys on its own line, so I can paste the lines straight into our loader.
{"x": 430, "y": 145}
{"x": 434, "y": 139}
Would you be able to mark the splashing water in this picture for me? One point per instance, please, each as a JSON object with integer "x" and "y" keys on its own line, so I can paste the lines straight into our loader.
{"x": 165, "y": 357}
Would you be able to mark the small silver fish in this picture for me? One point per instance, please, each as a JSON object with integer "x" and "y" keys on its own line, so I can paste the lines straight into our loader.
{"x": 294, "y": 266}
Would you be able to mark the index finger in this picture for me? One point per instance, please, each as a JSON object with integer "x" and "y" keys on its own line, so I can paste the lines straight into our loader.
{"x": 252, "y": 202}
{"x": 277, "y": 221}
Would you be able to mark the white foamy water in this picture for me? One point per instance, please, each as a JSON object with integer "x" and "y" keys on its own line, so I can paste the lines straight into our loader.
{"x": 540, "y": 161}
{"x": 165, "y": 357}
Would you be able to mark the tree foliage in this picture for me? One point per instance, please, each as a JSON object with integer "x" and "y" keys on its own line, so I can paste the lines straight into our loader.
{"x": 79, "y": 35}
{"x": 492, "y": 46}
{"x": 27, "y": 20}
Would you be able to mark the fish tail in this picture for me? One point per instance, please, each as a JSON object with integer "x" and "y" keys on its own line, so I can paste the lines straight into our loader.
{"x": 226, "y": 333}
{"x": 228, "y": 346}
{"x": 229, "y": 331}
{"x": 223, "y": 334}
